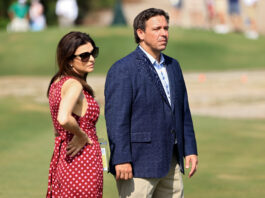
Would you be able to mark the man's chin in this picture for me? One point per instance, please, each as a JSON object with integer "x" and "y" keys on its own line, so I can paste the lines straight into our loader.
{"x": 163, "y": 47}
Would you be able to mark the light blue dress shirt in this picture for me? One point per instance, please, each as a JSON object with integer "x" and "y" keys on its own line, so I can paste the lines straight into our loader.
{"x": 161, "y": 71}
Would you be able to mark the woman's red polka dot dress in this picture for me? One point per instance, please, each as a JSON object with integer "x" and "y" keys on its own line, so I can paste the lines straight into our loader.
{"x": 82, "y": 175}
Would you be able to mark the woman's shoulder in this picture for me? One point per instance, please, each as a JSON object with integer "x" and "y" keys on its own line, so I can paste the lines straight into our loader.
{"x": 65, "y": 83}
{"x": 71, "y": 83}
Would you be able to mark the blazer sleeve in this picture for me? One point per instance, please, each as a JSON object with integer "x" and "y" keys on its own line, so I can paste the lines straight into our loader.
{"x": 118, "y": 99}
{"x": 190, "y": 145}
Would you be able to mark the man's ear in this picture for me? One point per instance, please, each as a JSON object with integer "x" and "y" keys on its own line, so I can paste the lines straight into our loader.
{"x": 140, "y": 34}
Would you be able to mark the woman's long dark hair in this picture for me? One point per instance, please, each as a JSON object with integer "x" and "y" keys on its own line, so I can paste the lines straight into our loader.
{"x": 65, "y": 51}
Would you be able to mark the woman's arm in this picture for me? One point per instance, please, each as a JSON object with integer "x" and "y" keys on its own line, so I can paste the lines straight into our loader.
{"x": 72, "y": 93}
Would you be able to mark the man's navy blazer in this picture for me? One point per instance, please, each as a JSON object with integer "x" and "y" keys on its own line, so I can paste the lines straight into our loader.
{"x": 141, "y": 123}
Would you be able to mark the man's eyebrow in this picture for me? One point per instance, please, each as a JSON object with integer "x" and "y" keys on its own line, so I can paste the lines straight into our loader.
{"x": 160, "y": 26}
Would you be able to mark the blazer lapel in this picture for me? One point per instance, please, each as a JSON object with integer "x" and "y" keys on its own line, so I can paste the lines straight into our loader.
{"x": 151, "y": 72}
{"x": 172, "y": 84}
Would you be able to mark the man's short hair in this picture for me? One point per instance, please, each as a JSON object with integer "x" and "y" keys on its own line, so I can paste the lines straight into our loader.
{"x": 140, "y": 20}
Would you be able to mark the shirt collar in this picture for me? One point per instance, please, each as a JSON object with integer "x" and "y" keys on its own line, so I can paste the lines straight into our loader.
{"x": 152, "y": 59}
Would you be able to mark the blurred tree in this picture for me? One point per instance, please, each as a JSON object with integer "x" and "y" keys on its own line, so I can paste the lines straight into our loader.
{"x": 119, "y": 18}
{"x": 3, "y": 8}
{"x": 84, "y": 7}
{"x": 91, "y": 6}
{"x": 4, "y": 5}
{"x": 49, "y": 11}
{"x": 99, "y": 4}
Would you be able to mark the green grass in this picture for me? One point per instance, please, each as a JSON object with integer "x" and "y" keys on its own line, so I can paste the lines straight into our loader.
{"x": 231, "y": 162}
{"x": 33, "y": 53}
{"x": 26, "y": 147}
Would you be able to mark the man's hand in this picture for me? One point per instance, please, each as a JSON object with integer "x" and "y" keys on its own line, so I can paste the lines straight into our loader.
{"x": 124, "y": 171}
{"x": 193, "y": 159}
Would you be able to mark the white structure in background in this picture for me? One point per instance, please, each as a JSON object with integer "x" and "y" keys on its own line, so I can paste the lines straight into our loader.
{"x": 67, "y": 12}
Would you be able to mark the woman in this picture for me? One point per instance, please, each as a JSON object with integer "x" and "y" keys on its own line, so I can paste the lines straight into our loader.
{"x": 36, "y": 15}
{"x": 76, "y": 166}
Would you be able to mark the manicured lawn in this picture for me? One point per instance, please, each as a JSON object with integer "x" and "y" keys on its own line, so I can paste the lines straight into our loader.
{"x": 26, "y": 147}
{"x": 231, "y": 162}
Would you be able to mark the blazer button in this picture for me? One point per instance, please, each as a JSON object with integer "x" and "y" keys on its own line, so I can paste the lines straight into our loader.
{"x": 173, "y": 131}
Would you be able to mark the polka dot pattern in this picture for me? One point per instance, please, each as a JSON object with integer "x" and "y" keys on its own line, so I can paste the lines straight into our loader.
{"x": 80, "y": 176}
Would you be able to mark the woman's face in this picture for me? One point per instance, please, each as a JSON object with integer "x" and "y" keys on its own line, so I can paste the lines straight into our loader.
{"x": 83, "y": 62}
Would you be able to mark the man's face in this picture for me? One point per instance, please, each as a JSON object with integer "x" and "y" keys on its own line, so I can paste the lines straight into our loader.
{"x": 155, "y": 36}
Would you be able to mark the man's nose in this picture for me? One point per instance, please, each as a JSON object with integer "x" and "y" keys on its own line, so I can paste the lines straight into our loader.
{"x": 164, "y": 32}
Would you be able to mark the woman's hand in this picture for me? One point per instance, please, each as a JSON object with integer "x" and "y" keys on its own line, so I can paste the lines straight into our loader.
{"x": 77, "y": 143}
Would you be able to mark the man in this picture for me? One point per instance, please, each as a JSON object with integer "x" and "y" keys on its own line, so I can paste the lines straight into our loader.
{"x": 148, "y": 119}
{"x": 251, "y": 29}
{"x": 234, "y": 14}
{"x": 18, "y": 13}
{"x": 36, "y": 15}
{"x": 221, "y": 26}
{"x": 177, "y": 11}
{"x": 67, "y": 12}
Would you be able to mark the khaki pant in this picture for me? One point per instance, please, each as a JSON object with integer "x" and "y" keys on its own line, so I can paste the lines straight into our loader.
{"x": 170, "y": 186}
{"x": 18, "y": 25}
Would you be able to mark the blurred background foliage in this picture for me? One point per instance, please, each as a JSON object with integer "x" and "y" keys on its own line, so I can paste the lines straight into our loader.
{"x": 49, "y": 5}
